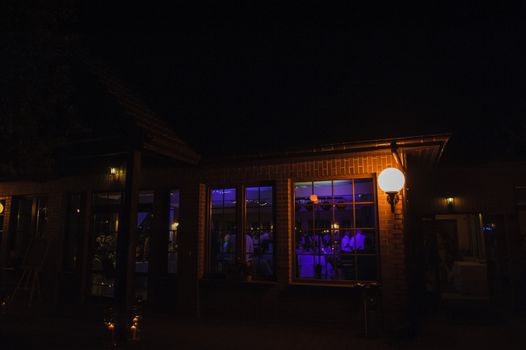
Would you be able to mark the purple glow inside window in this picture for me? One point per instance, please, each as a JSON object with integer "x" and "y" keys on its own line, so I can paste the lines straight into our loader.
{"x": 334, "y": 231}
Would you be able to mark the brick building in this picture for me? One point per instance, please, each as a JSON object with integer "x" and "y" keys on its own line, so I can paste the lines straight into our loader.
{"x": 240, "y": 238}
{"x": 138, "y": 215}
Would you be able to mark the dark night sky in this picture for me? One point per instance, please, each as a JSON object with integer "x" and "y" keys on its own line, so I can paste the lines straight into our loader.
{"x": 239, "y": 78}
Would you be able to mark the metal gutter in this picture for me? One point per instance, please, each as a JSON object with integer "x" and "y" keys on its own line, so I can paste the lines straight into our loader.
{"x": 439, "y": 140}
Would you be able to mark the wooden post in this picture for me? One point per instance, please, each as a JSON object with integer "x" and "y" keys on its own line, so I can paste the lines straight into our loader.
{"x": 158, "y": 246}
{"x": 126, "y": 243}
{"x": 191, "y": 228}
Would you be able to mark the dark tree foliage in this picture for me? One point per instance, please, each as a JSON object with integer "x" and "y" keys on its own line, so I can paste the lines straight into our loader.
{"x": 37, "y": 94}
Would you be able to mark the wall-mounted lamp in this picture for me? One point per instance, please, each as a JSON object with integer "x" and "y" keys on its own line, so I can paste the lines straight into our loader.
{"x": 1, "y": 208}
{"x": 391, "y": 181}
{"x": 113, "y": 171}
{"x": 314, "y": 198}
{"x": 450, "y": 201}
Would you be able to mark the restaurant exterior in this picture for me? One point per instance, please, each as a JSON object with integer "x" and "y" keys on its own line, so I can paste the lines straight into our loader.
{"x": 307, "y": 235}
{"x": 132, "y": 215}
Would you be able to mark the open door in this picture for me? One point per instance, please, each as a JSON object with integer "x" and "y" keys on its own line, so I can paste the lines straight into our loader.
{"x": 456, "y": 262}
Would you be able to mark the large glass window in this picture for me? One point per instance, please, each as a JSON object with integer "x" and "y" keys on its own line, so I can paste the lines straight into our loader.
{"x": 223, "y": 230}
{"x": 73, "y": 232}
{"x": 105, "y": 225}
{"x": 336, "y": 230}
{"x": 28, "y": 221}
{"x": 173, "y": 225}
{"x": 259, "y": 231}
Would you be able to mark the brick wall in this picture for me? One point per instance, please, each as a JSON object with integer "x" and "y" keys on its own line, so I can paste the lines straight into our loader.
{"x": 284, "y": 174}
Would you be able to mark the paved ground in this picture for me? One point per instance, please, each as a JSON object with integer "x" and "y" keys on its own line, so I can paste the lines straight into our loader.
{"x": 161, "y": 332}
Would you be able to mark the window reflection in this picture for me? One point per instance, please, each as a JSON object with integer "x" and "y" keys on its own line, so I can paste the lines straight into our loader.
{"x": 105, "y": 225}
{"x": 173, "y": 226}
{"x": 223, "y": 229}
{"x": 259, "y": 231}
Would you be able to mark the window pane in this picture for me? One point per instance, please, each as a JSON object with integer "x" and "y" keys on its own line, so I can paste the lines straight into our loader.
{"x": 343, "y": 191}
{"x": 105, "y": 226}
{"x": 252, "y": 219}
{"x": 323, "y": 216}
{"x": 344, "y": 216}
{"x": 266, "y": 215}
{"x": 266, "y": 196}
{"x": 217, "y": 198}
{"x": 365, "y": 216}
{"x": 323, "y": 189}
{"x": 304, "y": 218}
{"x": 173, "y": 225}
{"x": 230, "y": 197}
{"x": 229, "y": 219}
{"x": 223, "y": 229}
{"x": 174, "y": 199}
{"x": 347, "y": 267}
{"x": 366, "y": 241}
{"x": 305, "y": 267}
{"x": 145, "y": 219}
{"x": 258, "y": 238}
{"x": 303, "y": 190}
{"x": 347, "y": 241}
{"x": 363, "y": 190}
{"x": 252, "y": 196}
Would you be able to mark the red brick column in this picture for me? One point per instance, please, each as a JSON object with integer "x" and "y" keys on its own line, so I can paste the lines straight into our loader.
{"x": 283, "y": 234}
{"x": 393, "y": 264}
{"x": 191, "y": 236}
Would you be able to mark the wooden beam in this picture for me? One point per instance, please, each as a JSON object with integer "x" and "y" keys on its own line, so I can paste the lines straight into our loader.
{"x": 126, "y": 243}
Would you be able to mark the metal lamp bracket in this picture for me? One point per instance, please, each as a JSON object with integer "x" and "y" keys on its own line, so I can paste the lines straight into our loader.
{"x": 392, "y": 199}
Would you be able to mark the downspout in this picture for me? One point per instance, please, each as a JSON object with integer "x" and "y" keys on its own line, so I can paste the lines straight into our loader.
{"x": 396, "y": 155}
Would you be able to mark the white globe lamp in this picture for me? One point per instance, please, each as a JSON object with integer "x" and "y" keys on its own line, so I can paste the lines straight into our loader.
{"x": 391, "y": 181}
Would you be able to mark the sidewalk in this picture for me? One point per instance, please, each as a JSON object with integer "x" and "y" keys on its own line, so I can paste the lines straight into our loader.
{"x": 23, "y": 332}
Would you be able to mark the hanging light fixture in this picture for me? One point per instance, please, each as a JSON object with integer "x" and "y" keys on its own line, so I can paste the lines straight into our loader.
{"x": 391, "y": 181}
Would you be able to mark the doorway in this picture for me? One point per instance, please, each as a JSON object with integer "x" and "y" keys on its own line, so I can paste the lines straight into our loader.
{"x": 457, "y": 261}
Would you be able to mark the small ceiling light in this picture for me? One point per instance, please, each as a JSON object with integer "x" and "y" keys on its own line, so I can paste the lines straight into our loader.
{"x": 391, "y": 181}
